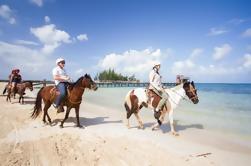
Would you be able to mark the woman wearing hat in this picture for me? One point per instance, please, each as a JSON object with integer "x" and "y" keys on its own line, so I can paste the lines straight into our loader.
{"x": 61, "y": 78}
{"x": 156, "y": 86}
{"x": 14, "y": 79}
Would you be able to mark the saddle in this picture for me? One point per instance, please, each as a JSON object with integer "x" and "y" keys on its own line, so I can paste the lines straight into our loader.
{"x": 55, "y": 92}
{"x": 150, "y": 95}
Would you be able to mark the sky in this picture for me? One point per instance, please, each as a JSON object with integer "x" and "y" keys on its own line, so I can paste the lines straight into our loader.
{"x": 208, "y": 41}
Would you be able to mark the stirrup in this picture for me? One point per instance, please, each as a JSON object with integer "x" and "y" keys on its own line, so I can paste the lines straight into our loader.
{"x": 60, "y": 109}
{"x": 157, "y": 114}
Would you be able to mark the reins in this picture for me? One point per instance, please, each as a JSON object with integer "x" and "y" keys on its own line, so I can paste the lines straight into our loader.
{"x": 75, "y": 102}
{"x": 188, "y": 100}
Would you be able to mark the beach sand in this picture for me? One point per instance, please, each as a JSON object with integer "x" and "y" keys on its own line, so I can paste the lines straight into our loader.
{"x": 105, "y": 140}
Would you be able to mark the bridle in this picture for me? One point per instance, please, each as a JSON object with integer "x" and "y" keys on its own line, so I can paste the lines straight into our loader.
{"x": 193, "y": 92}
{"x": 190, "y": 98}
{"x": 81, "y": 87}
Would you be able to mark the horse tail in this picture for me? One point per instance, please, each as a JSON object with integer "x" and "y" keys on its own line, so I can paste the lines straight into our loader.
{"x": 38, "y": 105}
{"x": 129, "y": 104}
{"x": 4, "y": 91}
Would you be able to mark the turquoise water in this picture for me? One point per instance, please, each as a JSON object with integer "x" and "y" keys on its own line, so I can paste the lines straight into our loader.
{"x": 222, "y": 107}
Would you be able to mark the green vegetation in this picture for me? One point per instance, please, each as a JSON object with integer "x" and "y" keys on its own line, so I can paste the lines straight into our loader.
{"x": 111, "y": 75}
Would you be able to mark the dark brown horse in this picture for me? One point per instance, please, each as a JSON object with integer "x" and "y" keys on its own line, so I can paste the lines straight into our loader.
{"x": 139, "y": 97}
{"x": 73, "y": 99}
{"x": 20, "y": 89}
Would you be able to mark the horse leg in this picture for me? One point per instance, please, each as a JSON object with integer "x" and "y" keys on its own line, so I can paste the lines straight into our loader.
{"x": 20, "y": 97}
{"x": 160, "y": 120}
{"x": 128, "y": 115}
{"x": 66, "y": 116}
{"x": 46, "y": 107}
{"x": 48, "y": 117}
{"x": 77, "y": 116}
{"x": 8, "y": 97}
{"x": 141, "y": 126}
{"x": 171, "y": 123}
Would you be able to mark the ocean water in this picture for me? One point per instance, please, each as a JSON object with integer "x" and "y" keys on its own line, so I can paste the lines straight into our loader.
{"x": 222, "y": 107}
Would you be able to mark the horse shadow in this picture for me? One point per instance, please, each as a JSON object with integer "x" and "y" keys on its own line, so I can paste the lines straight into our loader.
{"x": 86, "y": 121}
{"x": 165, "y": 128}
{"x": 31, "y": 102}
{"x": 29, "y": 97}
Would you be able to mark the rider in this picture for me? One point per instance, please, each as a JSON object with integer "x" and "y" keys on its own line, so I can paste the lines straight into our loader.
{"x": 14, "y": 79}
{"x": 61, "y": 78}
{"x": 157, "y": 87}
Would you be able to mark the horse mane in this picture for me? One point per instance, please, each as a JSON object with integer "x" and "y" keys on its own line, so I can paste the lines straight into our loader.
{"x": 28, "y": 82}
{"x": 80, "y": 79}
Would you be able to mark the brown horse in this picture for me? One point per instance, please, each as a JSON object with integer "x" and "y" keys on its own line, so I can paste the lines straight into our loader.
{"x": 73, "y": 99}
{"x": 20, "y": 89}
{"x": 139, "y": 97}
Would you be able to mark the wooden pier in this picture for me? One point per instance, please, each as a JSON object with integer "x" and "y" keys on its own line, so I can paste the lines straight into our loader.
{"x": 128, "y": 84}
{"x": 115, "y": 84}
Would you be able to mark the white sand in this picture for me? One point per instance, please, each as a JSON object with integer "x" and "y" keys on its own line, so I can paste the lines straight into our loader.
{"x": 105, "y": 140}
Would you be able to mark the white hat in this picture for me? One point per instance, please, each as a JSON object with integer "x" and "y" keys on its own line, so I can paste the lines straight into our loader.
{"x": 59, "y": 60}
{"x": 156, "y": 64}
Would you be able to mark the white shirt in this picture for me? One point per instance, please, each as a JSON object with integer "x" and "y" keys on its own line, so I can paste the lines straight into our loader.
{"x": 59, "y": 72}
{"x": 155, "y": 80}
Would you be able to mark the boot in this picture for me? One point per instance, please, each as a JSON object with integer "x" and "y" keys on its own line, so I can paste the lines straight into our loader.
{"x": 157, "y": 113}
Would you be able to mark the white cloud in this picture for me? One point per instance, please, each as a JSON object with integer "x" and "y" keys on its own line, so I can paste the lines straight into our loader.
{"x": 50, "y": 37}
{"x": 247, "y": 33}
{"x": 82, "y": 37}
{"x": 31, "y": 62}
{"x": 217, "y": 31}
{"x": 25, "y": 42}
{"x": 247, "y": 61}
{"x": 206, "y": 73}
{"x": 236, "y": 21}
{"x": 131, "y": 62}
{"x": 37, "y": 2}
{"x": 7, "y": 14}
{"x": 196, "y": 52}
{"x": 249, "y": 48}
{"x": 79, "y": 71}
{"x": 221, "y": 52}
{"x": 47, "y": 19}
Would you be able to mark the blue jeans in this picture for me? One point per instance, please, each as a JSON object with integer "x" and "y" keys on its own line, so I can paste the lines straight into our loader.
{"x": 62, "y": 89}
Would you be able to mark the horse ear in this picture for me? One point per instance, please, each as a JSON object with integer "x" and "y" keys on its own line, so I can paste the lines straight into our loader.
{"x": 192, "y": 83}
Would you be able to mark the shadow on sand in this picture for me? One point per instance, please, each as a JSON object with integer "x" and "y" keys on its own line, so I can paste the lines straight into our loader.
{"x": 165, "y": 127}
{"x": 86, "y": 121}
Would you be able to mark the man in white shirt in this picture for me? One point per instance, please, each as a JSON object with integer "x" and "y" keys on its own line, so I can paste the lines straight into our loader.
{"x": 61, "y": 78}
{"x": 156, "y": 86}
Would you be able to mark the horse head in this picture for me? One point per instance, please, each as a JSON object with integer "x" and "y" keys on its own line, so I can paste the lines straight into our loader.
{"x": 29, "y": 85}
{"x": 191, "y": 91}
{"x": 89, "y": 83}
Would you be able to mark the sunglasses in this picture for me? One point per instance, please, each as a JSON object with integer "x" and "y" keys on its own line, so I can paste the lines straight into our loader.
{"x": 63, "y": 62}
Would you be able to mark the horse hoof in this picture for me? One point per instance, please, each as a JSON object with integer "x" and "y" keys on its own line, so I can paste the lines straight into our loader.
{"x": 175, "y": 134}
{"x": 141, "y": 127}
{"x": 79, "y": 126}
{"x": 61, "y": 126}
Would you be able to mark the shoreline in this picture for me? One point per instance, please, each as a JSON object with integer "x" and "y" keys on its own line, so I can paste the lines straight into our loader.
{"x": 105, "y": 140}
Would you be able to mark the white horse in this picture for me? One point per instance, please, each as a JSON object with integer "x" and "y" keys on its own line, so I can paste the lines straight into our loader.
{"x": 137, "y": 98}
